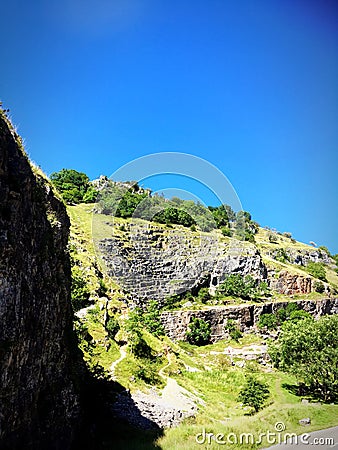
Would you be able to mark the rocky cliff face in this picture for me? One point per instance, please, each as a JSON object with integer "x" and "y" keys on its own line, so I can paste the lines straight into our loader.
{"x": 39, "y": 401}
{"x": 152, "y": 262}
{"x": 176, "y": 323}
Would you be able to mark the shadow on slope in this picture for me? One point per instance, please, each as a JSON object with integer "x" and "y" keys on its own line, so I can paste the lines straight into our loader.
{"x": 103, "y": 429}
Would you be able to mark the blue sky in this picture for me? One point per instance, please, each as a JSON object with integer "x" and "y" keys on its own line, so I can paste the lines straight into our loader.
{"x": 251, "y": 86}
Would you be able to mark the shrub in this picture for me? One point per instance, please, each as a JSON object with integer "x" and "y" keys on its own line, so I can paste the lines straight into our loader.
{"x": 147, "y": 373}
{"x": 139, "y": 346}
{"x": 324, "y": 249}
{"x": 287, "y": 234}
{"x": 300, "y": 314}
{"x": 237, "y": 286}
{"x": 268, "y": 321}
{"x": 112, "y": 327}
{"x": 199, "y": 331}
{"x": 319, "y": 287}
{"x": 79, "y": 290}
{"x": 254, "y": 393}
{"x": 204, "y": 295}
{"x": 281, "y": 255}
{"x": 284, "y": 313}
{"x": 151, "y": 318}
{"x": 226, "y": 231}
{"x": 233, "y": 329}
{"x": 273, "y": 238}
{"x": 317, "y": 270}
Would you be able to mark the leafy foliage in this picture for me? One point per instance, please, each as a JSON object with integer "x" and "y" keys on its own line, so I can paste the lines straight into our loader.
{"x": 288, "y": 313}
{"x": 74, "y": 186}
{"x": 317, "y": 270}
{"x": 151, "y": 318}
{"x": 235, "y": 285}
{"x": 268, "y": 321}
{"x": 79, "y": 290}
{"x": 319, "y": 287}
{"x": 112, "y": 327}
{"x": 199, "y": 331}
{"x": 254, "y": 394}
{"x": 309, "y": 349}
{"x": 233, "y": 329}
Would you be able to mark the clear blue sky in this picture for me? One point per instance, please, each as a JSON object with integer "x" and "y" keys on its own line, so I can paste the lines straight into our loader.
{"x": 251, "y": 86}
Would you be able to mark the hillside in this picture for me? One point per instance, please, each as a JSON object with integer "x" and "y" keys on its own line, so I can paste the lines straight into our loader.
{"x": 175, "y": 273}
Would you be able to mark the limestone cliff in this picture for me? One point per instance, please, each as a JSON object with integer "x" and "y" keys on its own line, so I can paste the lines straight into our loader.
{"x": 39, "y": 400}
{"x": 150, "y": 261}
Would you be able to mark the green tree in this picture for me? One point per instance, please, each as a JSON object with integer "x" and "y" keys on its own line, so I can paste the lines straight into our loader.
{"x": 254, "y": 394}
{"x": 220, "y": 215}
{"x": 199, "y": 331}
{"x": 73, "y": 185}
{"x": 128, "y": 203}
{"x": 308, "y": 349}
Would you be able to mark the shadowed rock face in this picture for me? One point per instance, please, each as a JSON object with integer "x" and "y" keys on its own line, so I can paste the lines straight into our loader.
{"x": 39, "y": 401}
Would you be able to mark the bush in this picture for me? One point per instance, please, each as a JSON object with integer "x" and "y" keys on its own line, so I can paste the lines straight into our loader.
{"x": 147, "y": 373}
{"x": 287, "y": 234}
{"x": 254, "y": 393}
{"x": 139, "y": 346}
{"x": 112, "y": 327}
{"x": 233, "y": 329}
{"x": 79, "y": 290}
{"x": 268, "y": 321}
{"x": 199, "y": 331}
{"x": 226, "y": 231}
{"x": 237, "y": 286}
{"x": 273, "y": 238}
{"x": 319, "y": 287}
{"x": 324, "y": 249}
{"x": 204, "y": 295}
{"x": 317, "y": 270}
{"x": 300, "y": 314}
{"x": 151, "y": 318}
{"x": 284, "y": 313}
{"x": 281, "y": 255}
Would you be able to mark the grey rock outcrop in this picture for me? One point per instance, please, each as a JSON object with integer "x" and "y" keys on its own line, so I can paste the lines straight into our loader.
{"x": 152, "y": 262}
{"x": 39, "y": 400}
{"x": 176, "y": 322}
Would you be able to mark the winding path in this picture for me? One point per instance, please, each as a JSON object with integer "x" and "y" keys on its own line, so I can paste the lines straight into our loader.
{"x": 123, "y": 354}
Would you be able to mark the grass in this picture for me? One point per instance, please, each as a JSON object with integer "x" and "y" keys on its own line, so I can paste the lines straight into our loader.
{"x": 223, "y": 414}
